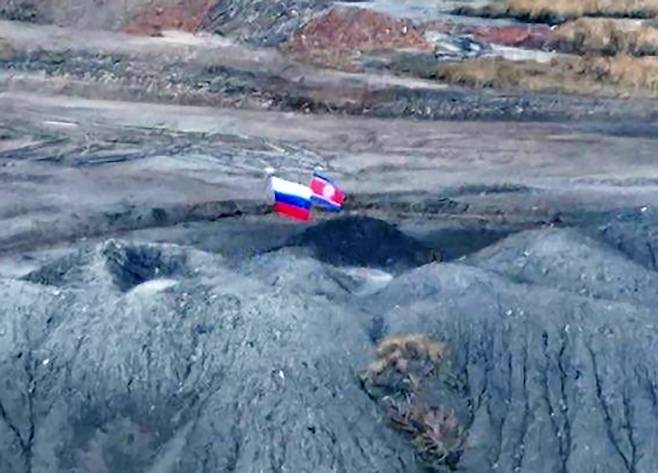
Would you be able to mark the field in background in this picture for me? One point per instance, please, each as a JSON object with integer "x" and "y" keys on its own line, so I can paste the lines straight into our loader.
{"x": 603, "y": 48}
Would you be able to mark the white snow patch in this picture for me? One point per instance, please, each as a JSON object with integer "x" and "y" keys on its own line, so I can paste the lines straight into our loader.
{"x": 194, "y": 39}
{"x": 367, "y": 280}
{"x": 153, "y": 286}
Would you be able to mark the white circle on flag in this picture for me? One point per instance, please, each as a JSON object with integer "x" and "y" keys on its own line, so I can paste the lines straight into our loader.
{"x": 328, "y": 191}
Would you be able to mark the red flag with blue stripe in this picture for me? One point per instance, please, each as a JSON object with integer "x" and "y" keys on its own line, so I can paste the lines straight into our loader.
{"x": 326, "y": 193}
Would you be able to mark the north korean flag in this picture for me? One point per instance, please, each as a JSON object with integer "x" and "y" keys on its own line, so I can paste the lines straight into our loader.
{"x": 326, "y": 194}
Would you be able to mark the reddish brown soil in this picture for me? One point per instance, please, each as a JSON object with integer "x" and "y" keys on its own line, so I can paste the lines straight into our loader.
{"x": 520, "y": 36}
{"x": 186, "y": 15}
{"x": 337, "y": 36}
{"x": 530, "y": 36}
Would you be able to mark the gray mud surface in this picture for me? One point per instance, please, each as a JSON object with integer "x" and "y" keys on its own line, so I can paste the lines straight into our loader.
{"x": 155, "y": 316}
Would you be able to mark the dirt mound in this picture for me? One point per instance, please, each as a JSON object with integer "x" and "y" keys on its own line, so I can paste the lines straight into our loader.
{"x": 567, "y": 260}
{"x": 197, "y": 367}
{"x": 343, "y": 33}
{"x": 261, "y": 22}
{"x": 186, "y": 15}
{"x": 545, "y": 371}
{"x": 535, "y": 36}
{"x": 209, "y": 374}
{"x": 635, "y": 234}
{"x": 363, "y": 241}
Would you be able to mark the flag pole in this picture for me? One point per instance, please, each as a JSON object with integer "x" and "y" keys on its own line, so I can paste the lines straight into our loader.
{"x": 269, "y": 172}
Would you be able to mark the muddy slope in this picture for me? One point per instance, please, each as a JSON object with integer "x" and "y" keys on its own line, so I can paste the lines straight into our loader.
{"x": 143, "y": 357}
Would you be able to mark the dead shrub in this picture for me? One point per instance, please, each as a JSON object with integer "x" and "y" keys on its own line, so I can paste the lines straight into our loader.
{"x": 606, "y": 36}
{"x": 436, "y": 434}
{"x": 588, "y": 75}
{"x": 569, "y": 9}
{"x": 628, "y": 73}
{"x": 405, "y": 361}
{"x": 7, "y": 50}
{"x": 396, "y": 380}
{"x": 481, "y": 73}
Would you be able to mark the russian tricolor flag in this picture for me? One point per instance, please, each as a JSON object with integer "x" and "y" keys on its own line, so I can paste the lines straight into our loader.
{"x": 291, "y": 199}
{"x": 326, "y": 193}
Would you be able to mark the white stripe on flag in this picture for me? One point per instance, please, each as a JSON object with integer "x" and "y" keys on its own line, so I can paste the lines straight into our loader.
{"x": 291, "y": 188}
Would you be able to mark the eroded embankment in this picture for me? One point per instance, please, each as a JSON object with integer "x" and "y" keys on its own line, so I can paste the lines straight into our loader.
{"x": 139, "y": 355}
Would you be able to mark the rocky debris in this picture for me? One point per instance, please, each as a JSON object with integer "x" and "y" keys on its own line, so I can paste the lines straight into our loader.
{"x": 153, "y": 19}
{"x": 457, "y": 42}
{"x": 22, "y": 10}
{"x": 450, "y": 47}
{"x": 145, "y": 17}
{"x": 261, "y": 22}
{"x": 523, "y": 36}
{"x": 339, "y": 36}
{"x": 83, "y": 14}
{"x": 363, "y": 241}
{"x": 136, "y": 77}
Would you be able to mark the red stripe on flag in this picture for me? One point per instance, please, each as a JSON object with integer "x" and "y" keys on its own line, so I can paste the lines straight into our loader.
{"x": 317, "y": 186}
{"x": 291, "y": 211}
{"x": 339, "y": 197}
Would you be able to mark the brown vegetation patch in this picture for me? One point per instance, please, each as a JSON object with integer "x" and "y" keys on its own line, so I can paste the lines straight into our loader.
{"x": 186, "y": 15}
{"x": 538, "y": 9}
{"x": 607, "y": 36}
{"x": 605, "y": 76}
{"x": 335, "y": 38}
{"x": 7, "y": 50}
{"x": 558, "y": 11}
{"x": 397, "y": 379}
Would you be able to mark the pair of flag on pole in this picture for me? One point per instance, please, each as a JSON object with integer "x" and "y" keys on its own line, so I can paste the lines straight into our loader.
{"x": 295, "y": 201}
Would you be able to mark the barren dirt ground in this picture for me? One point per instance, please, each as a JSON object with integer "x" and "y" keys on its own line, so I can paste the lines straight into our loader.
{"x": 67, "y": 159}
{"x": 156, "y": 316}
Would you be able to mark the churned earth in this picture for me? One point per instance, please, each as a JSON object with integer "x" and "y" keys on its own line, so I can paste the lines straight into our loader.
{"x": 485, "y": 302}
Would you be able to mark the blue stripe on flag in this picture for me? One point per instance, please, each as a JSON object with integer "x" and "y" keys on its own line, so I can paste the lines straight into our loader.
{"x": 292, "y": 200}
{"x": 325, "y": 204}
{"x": 323, "y": 177}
